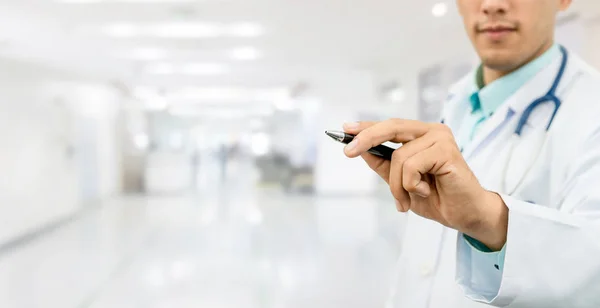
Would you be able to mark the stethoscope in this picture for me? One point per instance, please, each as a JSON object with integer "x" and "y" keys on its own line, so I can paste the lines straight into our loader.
{"x": 386, "y": 152}
{"x": 549, "y": 97}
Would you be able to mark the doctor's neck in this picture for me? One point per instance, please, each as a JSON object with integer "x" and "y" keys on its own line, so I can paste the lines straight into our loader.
{"x": 494, "y": 72}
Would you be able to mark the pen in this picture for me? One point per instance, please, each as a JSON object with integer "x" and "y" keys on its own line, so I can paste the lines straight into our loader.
{"x": 382, "y": 151}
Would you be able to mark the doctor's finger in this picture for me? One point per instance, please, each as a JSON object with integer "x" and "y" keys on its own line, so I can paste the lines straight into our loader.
{"x": 357, "y": 127}
{"x": 379, "y": 165}
{"x": 400, "y": 156}
{"x": 409, "y": 149}
{"x": 395, "y": 130}
{"x": 424, "y": 162}
{"x": 395, "y": 182}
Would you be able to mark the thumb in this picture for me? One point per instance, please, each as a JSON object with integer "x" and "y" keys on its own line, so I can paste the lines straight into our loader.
{"x": 379, "y": 165}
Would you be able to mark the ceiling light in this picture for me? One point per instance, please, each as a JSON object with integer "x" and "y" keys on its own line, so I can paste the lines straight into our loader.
{"x": 439, "y": 9}
{"x": 79, "y": 1}
{"x": 152, "y": 1}
{"x": 245, "y": 53}
{"x": 149, "y": 54}
{"x": 186, "y": 30}
{"x": 121, "y": 30}
{"x": 226, "y": 94}
{"x": 160, "y": 69}
{"x": 208, "y": 94}
{"x": 204, "y": 69}
{"x": 124, "y": 1}
{"x": 219, "y": 114}
{"x": 246, "y": 29}
{"x": 145, "y": 54}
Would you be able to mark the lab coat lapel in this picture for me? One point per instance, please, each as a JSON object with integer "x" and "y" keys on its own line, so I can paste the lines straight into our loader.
{"x": 500, "y": 157}
{"x": 493, "y": 130}
{"x": 529, "y": 147}
{"x": 500, "y": 127}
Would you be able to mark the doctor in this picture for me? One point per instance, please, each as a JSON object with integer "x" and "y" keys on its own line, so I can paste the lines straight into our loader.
{"x": 504, "y": 196}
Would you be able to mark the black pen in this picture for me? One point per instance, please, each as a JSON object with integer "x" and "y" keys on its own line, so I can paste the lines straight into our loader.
{"x": 382, "y": 151}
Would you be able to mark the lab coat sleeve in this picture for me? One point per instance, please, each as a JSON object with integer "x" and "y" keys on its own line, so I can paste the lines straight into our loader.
{"x": 485, "y": 268}
{"x": 552, "y": 256}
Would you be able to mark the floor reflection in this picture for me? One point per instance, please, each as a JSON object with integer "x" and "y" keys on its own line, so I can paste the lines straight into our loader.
{"x": 234, "y": 245}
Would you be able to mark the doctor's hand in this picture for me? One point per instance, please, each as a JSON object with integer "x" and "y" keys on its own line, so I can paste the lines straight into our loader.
{"x": 429, "y": 176}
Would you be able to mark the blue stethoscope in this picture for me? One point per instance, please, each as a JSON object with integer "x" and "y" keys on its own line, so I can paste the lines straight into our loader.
{"x": 549, "y": 97}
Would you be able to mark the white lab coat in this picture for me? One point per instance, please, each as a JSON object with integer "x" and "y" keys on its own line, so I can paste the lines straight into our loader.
{"x": 553, "y": 247}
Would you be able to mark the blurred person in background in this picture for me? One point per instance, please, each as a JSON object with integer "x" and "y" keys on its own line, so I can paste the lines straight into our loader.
{"x": 223, "y": 154}
{"x": 504, "y": 196}
{"x": 195, "y": 162}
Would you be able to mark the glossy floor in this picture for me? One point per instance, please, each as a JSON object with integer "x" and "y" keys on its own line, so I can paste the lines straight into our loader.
{"x": 232, "y": 245}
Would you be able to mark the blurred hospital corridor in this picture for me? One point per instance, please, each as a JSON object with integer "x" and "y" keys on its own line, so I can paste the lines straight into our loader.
{"x": 172, "y": 154}
{"x": 229, "y": 246}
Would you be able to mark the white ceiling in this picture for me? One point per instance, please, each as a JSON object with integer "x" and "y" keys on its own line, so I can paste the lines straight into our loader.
{"x": 302, "y": 37}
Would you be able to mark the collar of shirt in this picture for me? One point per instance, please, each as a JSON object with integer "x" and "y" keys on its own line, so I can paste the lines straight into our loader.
{"x": 487, "y": 98}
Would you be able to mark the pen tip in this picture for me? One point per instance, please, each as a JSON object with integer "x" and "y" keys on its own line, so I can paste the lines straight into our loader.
{"x": 335, "y": 135}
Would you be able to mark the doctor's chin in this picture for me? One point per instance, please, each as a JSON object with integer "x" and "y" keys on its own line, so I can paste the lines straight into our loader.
{"x": 299, "y": 154}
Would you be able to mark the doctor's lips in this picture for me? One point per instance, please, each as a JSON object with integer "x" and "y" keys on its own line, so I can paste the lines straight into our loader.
{"x": 496, "y": 32}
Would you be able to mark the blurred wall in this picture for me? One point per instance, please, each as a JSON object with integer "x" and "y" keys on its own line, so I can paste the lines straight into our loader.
{"x": 344, "y": 97}
{"x": 41, "y": 180}
{"x": 95, "y": 108}
{"x": 591, "y": 46}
